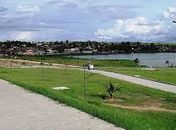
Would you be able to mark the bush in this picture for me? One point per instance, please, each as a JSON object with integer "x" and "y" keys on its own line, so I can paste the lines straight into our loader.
{"x": 111, "y": 89}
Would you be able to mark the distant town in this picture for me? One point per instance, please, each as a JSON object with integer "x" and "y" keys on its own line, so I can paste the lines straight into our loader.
{"x": 10, "y": 48}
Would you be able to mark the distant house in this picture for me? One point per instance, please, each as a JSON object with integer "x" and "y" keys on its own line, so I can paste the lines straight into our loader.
{"x": 29, "y": 53}
{"x": 38, "y": 52}
{"x": 71, "y": 50}
{"x": 51, "y": 52}
{"x": 89, "y": 50}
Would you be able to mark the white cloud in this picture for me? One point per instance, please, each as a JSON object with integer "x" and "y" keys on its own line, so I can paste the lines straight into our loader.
{"x": 139, "y": 28}
{"x": 28, "y": 9}
{"x": 170, "y": 12}
{"x": 26, "y": 36}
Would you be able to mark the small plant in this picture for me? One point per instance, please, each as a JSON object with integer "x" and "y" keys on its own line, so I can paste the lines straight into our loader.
{"x": 167, "y": 63}
{"x": 111, "y": 89}
{"x": 137, "y": 62}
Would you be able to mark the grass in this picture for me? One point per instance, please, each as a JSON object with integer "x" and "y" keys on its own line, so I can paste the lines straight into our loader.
{"x": 120, "y": 66}
{"x": 165, "y": 75}
{"x": 79, "y": 62}
{"x": 40, "y": 80}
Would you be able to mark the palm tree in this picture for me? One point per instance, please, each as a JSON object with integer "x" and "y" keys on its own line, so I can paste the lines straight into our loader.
{"x": 111, "y": 89}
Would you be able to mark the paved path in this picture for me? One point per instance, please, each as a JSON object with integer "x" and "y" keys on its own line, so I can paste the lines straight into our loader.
{"x": 144, "y": 82}
{"x": 22, "y": 110}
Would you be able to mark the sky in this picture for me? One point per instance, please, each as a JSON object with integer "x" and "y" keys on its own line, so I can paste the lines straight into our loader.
{"x": 101, "y": 20}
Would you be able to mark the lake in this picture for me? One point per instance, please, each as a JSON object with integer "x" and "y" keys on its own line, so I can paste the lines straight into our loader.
{"x": 148, "y": 59}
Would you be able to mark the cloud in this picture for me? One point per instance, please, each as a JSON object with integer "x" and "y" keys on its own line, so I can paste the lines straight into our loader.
{"x": 170, "y": 12}
{"x": 22, "y": 36}
{"x": 111, "y": 12}
{"x": 3, "y": 9}
{"x": 85, "y": 19}
{"x": 104, "y": 9}
{"x": 139, "y": 28}
{"x": 143, "y": 29}
{"x": 54, "y": 2}
{"x": 77, "y": 2}
{"x": 25, "y": 25}
{"x": 62, "y": 3}
{"x": 26, "y": 9}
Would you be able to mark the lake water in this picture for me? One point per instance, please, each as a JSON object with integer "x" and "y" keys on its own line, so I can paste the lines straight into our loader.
{"x": 149, "y": 59}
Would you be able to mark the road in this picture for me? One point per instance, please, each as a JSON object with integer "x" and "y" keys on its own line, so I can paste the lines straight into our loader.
{"x": 144, "y": 82}
{"x": 22, "y": 110}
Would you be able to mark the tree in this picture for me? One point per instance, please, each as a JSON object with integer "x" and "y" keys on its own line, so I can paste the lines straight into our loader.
{"x": 111, "y": 89}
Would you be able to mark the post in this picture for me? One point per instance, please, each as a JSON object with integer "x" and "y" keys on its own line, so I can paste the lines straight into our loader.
{"x": 175, "y": 60}
{"x": 42, "y": 69}
{"x": 175, "y": 55}
{"x": 132, "y": 53}
{"x": 85, "y": 93}
{"x": 42, "y": 73}
{"x": 64, "y": 63}
{"x": 78, "y": 61}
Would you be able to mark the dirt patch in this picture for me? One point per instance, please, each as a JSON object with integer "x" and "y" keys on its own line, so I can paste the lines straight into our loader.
{"x": 143, "y": 108}
{"x": 153, "y": 103}
{"x": 30, "y": 64}
{"x": 150, "y": 69}
{"x": 114, "y": 101}
{"x": 148, "y": 105}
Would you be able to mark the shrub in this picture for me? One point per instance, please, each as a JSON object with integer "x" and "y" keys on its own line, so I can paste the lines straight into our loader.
{"x": 111, "y": 89}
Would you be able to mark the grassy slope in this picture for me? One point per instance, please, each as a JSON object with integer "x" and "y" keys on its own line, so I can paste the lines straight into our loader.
{"x": 166, "y": 75}
{"x": 80, "y": 62}
{"x": 34, "y": 80}
{"x": 119, "y": 66}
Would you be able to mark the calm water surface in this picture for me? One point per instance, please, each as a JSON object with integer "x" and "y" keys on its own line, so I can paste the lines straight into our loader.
{"x": 149, "y": 59}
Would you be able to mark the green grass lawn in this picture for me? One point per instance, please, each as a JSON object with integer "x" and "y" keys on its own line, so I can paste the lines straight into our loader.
{"x": 165, "y": 75}
{"x": 80, "y": 62}
{"x": 41, "y": 80}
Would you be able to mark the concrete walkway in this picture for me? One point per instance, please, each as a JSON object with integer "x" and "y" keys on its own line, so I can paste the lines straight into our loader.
{"x": 144, "y": 82}
{"x": 22, "y": 110}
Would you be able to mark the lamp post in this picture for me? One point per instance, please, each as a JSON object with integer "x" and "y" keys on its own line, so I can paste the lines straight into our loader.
{"x": 132, "y": 49}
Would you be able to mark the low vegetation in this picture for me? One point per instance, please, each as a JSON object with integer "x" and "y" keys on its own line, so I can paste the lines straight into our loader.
{"x": 127, "y": 67}
{"x": 42, "y": 80}
{"x": 80, "y": 62}
{"x": 111, "y": 89}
